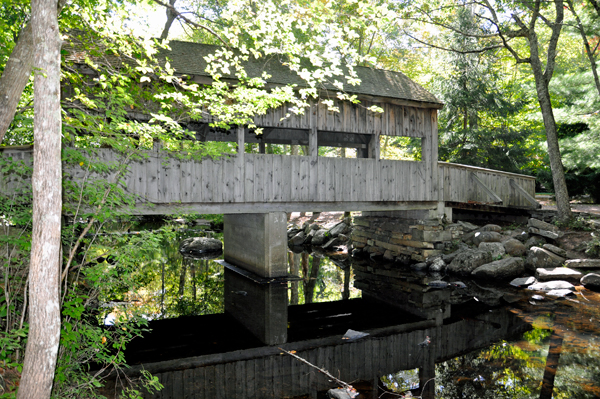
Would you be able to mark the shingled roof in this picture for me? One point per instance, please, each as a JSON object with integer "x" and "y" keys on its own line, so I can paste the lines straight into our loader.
{"x": 188, "y": 58}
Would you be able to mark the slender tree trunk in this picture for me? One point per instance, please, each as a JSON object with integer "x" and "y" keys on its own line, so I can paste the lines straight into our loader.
{"x": 44, "y": 273}
{"x": 193, "y": 277}
{"x": 294, "y": 260}
{"x": 346, "y": 293}
{"x": 16, "y": 74}
{"x": 309, "y": 291}
{"x": 556, "y": 342}
{"x": 586, "y": 44}
{"x": 171, "y": 15}
{"x": 543, "y": 95}
{"x": 182, "y": 277}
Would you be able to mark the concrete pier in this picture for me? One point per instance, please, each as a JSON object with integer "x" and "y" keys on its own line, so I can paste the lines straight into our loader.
{"x": 257, "y": 242}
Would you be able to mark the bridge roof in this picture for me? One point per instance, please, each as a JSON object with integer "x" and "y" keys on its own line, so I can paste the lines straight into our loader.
{"x": 188, "y": 58}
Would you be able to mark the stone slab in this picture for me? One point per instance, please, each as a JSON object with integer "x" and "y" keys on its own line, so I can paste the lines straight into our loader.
{"x": 583, "y": 263}
{"x": 557, "y": 273}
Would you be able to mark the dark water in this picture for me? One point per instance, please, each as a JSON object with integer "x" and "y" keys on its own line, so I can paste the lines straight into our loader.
{"x": 486, "y": 340}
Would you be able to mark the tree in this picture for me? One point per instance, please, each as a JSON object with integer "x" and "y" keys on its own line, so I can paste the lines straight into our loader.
{"x": 501, "y": 24}
{"x": 44, "y": 272}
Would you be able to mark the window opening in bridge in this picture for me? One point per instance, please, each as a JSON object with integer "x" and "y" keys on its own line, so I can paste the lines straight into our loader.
{"x": 400, "y": 148}
{"x": 337, "y": 152}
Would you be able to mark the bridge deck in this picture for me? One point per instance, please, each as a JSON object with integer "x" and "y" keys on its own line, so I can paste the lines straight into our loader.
{"x": 248, "y": 183}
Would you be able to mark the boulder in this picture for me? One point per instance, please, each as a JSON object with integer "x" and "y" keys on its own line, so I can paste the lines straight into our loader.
{"x": 419, "y": 266}
{"x": 522, "y": 236}
{"x": 538, "y": 257}
{"x": 535, "y": 241}
{"x": 583, "y": 263}
{"x": 560, "y": 293}
{"x": 437, "y": 265}
{"x": 486, "y": 236}
{"x": 389, "y": 255}
{"x": 541, "y": 225}
{"x": 319, "y": 237}
{"x": 467, "y": 261}
{"x": 491, "y": 227}
{"x": 501, "y": 269}
{"x": 298, "y": 239}
{"x": 591, "y": 281}
{"x": 514, "y": 247}
{"x": 552, "y": 285}
{"x": 331, "y": 243}
{"x": 545, "y": 233}
{"x": 523, "y": 281}
{"x": 292, "y": 231}
{"x": 467, "y": 226}
{"x": 553, "y": 248}
{"x": 338, "y": 229}
{"x": 200, "y": 245}
{"x": 496, "y": 249}
{"x": 343, "y": 238}
{"x": 557, "y": 273}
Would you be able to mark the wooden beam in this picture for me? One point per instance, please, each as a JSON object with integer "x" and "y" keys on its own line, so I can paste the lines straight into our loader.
{"x": 313, "y": 137}
{"x": 490, "y": 193}
{"x": 525, "y": 194}
{"x": 374, "y": 146}
{"x": 241, "y": 135}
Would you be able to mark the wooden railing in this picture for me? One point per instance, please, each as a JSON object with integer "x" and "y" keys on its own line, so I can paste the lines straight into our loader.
{"x": 318, "y": 183}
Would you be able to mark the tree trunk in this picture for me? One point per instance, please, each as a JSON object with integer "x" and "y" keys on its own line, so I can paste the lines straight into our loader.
{"x": 182, "y": 278}
{"x": 44, "y": 273}
{"x": 171, "y": 15}
{"x": 309, "y": 290}
{"x": 556, "y": 342}
{"x": 543, "y": 95}
{"x": 16, "y": 74}
{"x": 294, "y": 260}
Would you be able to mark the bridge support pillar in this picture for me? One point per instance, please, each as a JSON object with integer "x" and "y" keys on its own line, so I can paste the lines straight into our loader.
{"x": 261, "y": 308}
{"x": 257, "y": 242}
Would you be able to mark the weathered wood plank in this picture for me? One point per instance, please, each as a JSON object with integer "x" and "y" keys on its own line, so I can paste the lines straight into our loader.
{"x": 249, "y": 179}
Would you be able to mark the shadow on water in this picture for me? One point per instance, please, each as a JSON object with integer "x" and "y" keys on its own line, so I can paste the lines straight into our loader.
{"x": 209, "y": 328}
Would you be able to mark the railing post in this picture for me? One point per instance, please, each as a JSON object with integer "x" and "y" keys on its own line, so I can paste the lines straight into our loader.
{"x": 374, "y": 146}
{"x": 313, "y": 145}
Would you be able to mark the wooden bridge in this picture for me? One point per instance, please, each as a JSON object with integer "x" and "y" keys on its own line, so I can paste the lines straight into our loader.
{"x": 260, "y": 183}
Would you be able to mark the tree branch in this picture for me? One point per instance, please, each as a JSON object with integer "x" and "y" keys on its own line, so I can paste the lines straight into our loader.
{"x": 556, "y": 28}
{"x": 586, "y": 44}
{"x": 474, "y": 51}
{"x": 190, "y": 22}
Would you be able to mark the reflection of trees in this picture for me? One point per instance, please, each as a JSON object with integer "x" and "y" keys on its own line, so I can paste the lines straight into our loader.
{"x": 322, "y": 280}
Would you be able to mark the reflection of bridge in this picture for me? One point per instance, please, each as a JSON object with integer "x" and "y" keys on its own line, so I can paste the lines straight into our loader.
{"x": 180, "y": 352}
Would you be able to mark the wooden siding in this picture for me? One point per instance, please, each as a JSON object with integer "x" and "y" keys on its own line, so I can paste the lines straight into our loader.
{"x": 459, "y": 185}
{"x": 396, "y": 120}
{"x": 290, "y": 181}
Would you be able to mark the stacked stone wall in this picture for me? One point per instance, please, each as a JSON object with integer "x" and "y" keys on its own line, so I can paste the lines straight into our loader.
{"x": 402, "y": 240}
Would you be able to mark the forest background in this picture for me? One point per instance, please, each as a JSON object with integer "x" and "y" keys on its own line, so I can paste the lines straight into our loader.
{"x": 505, "y": 71}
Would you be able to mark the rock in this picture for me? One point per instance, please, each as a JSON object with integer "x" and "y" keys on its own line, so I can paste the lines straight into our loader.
{"x": 486, "y": 236}
{"x": 467, "y": 261}
{"x": 583, "y": 263}
{"x": 310, "y": 235}
{"x": 538, "y": 297}
{"x": 357, "y": 252}
{"x": 523, "y": 281}
{"x": 458, "y": 284}
{"x": 514, "y": 247}
{"x": 522, "y": 236}
{"x": 552, "y": 285}
{"x": 388, "y": 255}
{"x": 319, "y": 237}
{"x": 538, "y": 224}
{"x": 544, "y": 233}
{"x": 553, "y": 248}
{"x": 437, "y": 265}
{"x": 538, "y": 257}
{"x": 419, "y": 266}
{"x": 591, "y": 281}
{"x": 331, "y": 243}
{"x": 535, "y": 241}
{"x": 467, "y": 226}
{"x": 200, "y": 245}
{"x": 298, "y": 239}
{"x": 560, "y": 293}
{"x": 438, "y": 284}
{"x": 343, "y": 238}
{"x": 500, "y": 269}
{"x": 338, "y": 229}
{"x": 292, "y": 232}
{"x": 492, "y": 227}
{"x": 496, "y": 249}
{"x": 560, "y": 273}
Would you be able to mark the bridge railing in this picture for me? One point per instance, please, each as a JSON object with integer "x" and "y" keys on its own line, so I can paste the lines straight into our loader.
{"x": 470, "y": 184}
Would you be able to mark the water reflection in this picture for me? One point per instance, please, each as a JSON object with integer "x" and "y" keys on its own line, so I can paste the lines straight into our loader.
{"x": 486, "y": 340}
